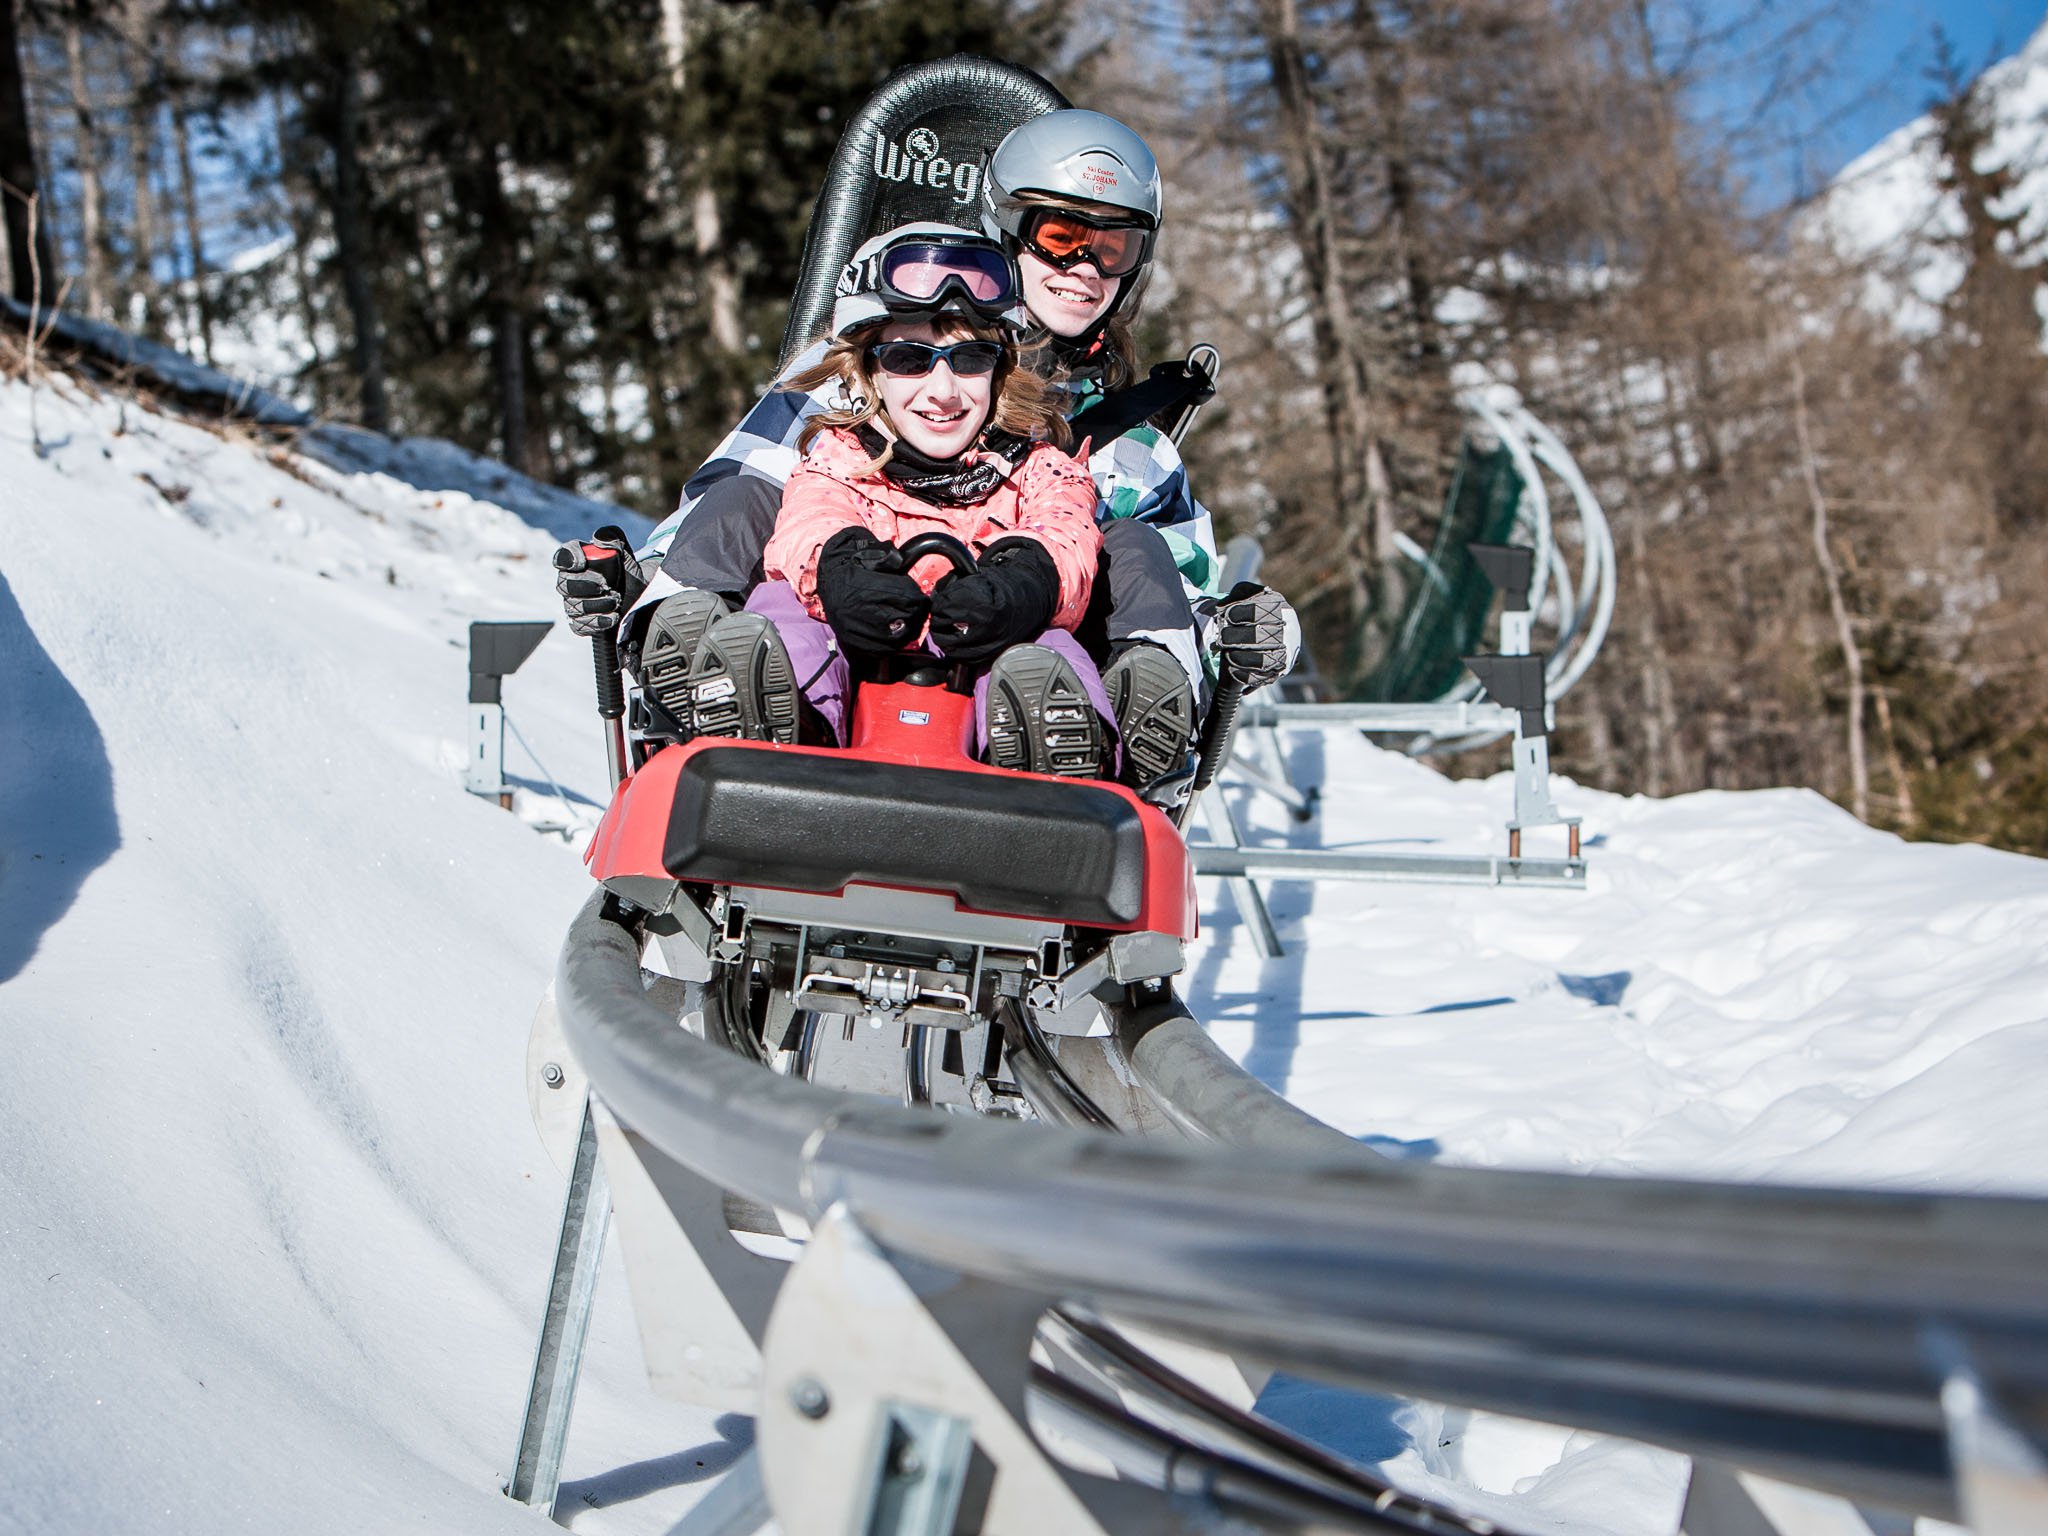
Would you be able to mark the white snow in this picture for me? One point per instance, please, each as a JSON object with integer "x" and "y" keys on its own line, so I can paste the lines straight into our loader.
{"x": 274, "y": 1223}
{"x": 1753, "y": 987}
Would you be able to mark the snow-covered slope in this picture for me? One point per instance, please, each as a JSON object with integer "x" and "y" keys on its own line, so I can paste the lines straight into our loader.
{"x": 274, "y": 1223}
{"x": 1887, "y": 205}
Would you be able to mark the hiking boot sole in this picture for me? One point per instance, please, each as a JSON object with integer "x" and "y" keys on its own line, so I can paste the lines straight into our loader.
{"x": 1154, "y": 705}
{"x": 743, "y": 684}
{"x": 675, "y": 634}
{"x": 1039, "y": 716}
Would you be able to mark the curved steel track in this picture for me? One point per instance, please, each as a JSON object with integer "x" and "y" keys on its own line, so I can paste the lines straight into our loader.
{"x": 1803, "y": 1333}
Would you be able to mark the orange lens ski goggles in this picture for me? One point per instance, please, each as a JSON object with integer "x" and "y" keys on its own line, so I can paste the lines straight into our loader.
{"x": 1065, "y": 240}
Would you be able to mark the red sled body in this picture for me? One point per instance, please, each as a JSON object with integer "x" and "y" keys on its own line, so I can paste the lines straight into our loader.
{"x": 898, "y": 881}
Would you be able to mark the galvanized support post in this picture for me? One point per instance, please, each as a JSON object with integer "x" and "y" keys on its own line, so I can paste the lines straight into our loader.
{"x": 558, "y": 1358}
{"x": 495, "y": 652}
{"x": 1517, "y": 632}
{"x": 1244, "y": 893}
{"x": 485, "y": 773}
{"x": 1534, "y": 806}
{"x": 1517, "y": 683}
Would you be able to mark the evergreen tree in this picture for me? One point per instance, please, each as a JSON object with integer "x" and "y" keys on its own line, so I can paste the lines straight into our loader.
{"x": 1992, "y": 330}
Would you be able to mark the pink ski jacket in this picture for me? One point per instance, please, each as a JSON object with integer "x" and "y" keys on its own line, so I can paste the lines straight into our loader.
{"x": 1049, "y": 497}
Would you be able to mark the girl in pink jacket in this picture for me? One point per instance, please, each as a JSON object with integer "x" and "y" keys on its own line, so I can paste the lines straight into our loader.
{"x": 940, "y": 431}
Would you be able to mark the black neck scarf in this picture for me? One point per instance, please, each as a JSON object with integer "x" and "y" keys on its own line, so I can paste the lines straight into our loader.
{"x": 959, "y": 482}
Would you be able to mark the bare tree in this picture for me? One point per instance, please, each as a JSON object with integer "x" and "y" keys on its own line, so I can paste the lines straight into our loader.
{"x": 1852, "y": 653}
{"x": 86, "y": 159}
{"x": 28, "y": 239}
{"x": 343, "y": 122}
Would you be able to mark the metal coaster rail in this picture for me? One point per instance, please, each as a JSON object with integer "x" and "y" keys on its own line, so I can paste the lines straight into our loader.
{"x": 1803, "y": 1334}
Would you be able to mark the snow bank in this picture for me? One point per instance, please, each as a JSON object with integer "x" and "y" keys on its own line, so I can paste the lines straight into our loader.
{"x": 274, "y": 1226}
{"x": 1753, "y": 986}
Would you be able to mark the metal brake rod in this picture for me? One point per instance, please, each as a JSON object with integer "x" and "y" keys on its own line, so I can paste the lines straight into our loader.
{"x": 1270, "y": 1499}
{"x": 1437, "y": 717}
{"x": 1342, "y": 864}
{"x": 1783, "y": 1329}
{"x": 1139, "y": 1379}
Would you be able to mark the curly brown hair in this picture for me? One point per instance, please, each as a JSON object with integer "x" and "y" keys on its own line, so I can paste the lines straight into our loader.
{"x": 1021, "y": 403}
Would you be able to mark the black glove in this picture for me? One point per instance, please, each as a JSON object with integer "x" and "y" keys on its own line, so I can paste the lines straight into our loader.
{"x": 598, "y": 581}
{"x": 1257, "y": 635}
{"x": 869, "y": 598}
{"x": 1011, "y": 598}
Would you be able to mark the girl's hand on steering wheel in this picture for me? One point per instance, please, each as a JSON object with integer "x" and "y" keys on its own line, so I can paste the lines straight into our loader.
{"x": 1010, "y": 599}
{"x": 869, "y": 598}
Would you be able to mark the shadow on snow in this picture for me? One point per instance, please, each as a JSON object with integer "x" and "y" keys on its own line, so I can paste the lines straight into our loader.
{"x": 700, "y": 1463}
{"x": 57, "y": 820}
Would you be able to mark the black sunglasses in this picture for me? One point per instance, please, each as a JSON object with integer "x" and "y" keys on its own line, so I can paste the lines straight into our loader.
{"x": 915, "y": 359}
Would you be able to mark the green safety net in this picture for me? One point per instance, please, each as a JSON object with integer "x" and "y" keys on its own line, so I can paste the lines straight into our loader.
{"x": 1444, "y": 617}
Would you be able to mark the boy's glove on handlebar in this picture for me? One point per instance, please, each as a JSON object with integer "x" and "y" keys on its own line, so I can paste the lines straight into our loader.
{"x": 1010, "y": 599}
{"x": 870, "y": 600}
{"x": 1257, "y": 635}
{"x": 597, "y": 580}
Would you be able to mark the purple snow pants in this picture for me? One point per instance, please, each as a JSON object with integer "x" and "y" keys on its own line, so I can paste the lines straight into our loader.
{"x": 822, "y": 674}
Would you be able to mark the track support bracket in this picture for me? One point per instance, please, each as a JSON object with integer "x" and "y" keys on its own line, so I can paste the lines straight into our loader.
{"x": 893, "y": 1403}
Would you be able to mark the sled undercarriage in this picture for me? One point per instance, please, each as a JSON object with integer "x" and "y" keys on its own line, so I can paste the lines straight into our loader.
{"x": 900, "y": 994}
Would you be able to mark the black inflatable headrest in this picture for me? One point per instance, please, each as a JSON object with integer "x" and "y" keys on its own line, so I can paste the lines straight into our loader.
{"x": 915, "y": 152}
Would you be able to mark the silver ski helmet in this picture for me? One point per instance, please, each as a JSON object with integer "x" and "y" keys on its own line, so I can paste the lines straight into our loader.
{"x": 1074, "y": 153}
{"x": 1081, "y": 156}
{"x": 919, "y": 271}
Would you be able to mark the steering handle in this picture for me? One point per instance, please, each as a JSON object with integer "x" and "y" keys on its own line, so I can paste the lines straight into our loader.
{"x": 944, "y": 544}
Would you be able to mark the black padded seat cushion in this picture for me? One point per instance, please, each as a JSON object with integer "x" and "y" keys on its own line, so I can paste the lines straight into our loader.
{"x": 1010, "y": 844}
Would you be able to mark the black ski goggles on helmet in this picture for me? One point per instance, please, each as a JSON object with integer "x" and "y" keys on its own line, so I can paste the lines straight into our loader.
{"x": 924, "y": 274}
{"x": 1064, "y": 239}
{"x": 915, "y": 359}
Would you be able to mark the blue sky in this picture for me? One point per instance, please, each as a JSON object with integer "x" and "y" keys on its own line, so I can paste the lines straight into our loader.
{"x": 1878, "y": 54}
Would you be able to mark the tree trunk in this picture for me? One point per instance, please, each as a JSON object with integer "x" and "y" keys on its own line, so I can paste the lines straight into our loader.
{"x": 188, "y": 202}
{"x": 1658, "y": 707}
{"x": 18, "y": 180}
{"x": 1360, "y": 481}
{"x": 1845, "y": 632}
{"x": 1660, "y": 715}
{"x": 92, "y": 239}
{"x": 1390, "y": 109}
{"x": 350, "y": 243}
{"x": 707, "y": 233}
{"x": 1902, "y": 788}
{"x": 302, "y": 217}
{"x": 144, "y": 88}
{"x": 721, "y": 287}
{"x": 500, "y": 236}
{"x": 508, "y": 363}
